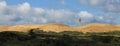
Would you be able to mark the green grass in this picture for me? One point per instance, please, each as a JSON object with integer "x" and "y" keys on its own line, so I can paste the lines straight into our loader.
{"x": 66, "y": 38}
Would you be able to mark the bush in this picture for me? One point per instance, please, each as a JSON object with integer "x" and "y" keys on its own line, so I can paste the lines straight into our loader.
{"x": 67, "y": 38}
{"x": 102, "y": 39}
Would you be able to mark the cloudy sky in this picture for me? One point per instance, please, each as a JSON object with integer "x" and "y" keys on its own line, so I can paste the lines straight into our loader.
{"x": 14, "y": 12}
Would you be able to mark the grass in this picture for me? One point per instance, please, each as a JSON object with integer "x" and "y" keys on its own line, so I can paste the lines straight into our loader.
{"x": 65, "y": 38}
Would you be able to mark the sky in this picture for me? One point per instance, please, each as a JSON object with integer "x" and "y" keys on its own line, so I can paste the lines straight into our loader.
{"x": 17, "y": 12}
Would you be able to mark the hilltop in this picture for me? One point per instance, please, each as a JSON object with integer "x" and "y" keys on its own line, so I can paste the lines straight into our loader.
{"x": 99, "y": 28}
{"x": 56, "y": 27}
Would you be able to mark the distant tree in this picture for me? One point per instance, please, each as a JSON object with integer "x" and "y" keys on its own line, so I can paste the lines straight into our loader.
{"x": 31, "y": 33}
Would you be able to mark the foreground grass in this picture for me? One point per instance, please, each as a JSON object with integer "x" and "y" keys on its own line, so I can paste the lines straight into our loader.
{"x": 66, "y": 38}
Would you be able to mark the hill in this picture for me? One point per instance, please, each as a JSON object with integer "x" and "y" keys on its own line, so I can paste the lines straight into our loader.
{"x": 99, "y": 28}
{"x": 56, "y": 27}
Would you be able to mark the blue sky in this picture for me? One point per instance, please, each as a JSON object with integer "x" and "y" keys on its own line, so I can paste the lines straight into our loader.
{"x": 68, "y": 12}
{"x": 73, "y": 5}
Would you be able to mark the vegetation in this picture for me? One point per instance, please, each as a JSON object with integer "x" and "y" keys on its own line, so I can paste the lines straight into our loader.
{"x": 67, "y": 38}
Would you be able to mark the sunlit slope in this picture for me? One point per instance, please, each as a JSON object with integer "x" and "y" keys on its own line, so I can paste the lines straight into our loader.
{"x": 62, "y": 27}
{"x": 99, "y": 28}
{"x": 46, "y": 27}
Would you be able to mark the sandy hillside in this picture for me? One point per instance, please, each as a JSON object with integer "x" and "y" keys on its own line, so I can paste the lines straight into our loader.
{"x": 99, "y": 28}
{"x": 61, "y": 27}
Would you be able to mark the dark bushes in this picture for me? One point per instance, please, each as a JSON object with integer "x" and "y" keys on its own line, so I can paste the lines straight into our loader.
{"x": 40, "y": 38}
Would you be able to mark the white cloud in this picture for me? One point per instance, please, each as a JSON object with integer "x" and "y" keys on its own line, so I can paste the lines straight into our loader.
{"x": 25, "y": 14}
{"x": 62, "y": 2}
{"x": 3, "y": 4}
{"x": 105, "y": 5}
{"x": 91, "y": 2}
{"x": 39, "y": 10}
{"x": 111, "y": 9}
{"x": 23, "y": 8}
{"x": 94, "y": 2}
{"x": 85, "y": 16}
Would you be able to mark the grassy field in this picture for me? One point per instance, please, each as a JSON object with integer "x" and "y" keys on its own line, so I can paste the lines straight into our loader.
{"x": 66, "y": 38}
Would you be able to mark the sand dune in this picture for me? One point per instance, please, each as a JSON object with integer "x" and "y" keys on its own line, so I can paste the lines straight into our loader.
{"x": 62, "y": 27}
{"x": 99, "y": 28}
